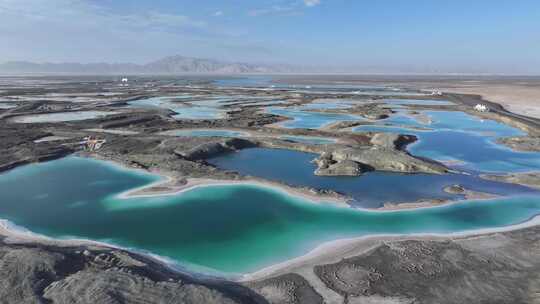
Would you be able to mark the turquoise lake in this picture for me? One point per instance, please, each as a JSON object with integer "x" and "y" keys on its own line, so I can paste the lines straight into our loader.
{"x": 190, "y": 108}
{"x": 444, "y": 121}
{"x": 219, "y": 229}
{"x": 458, "y": 136}
{"x": 230, "y": 230}
{"x": 267, "y": 82}
{"x": 479, "y": 152}
{"x": 309, "y": 120}
{"x": 61, "y": 117}
{"x": 7, "y": 105}
{"x": 370, "y": 190}
{"x": 326, "y": 105}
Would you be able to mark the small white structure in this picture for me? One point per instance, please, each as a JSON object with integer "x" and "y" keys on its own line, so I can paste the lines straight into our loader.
{"x": 436, "y": 93}
{"x": 481, "y": 108}
{"x": 92, "y": 143}
{"x": 125, "y": 80}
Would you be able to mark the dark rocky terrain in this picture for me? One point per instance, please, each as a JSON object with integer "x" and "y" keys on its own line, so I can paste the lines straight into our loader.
{"x": 44, "y": 273}
{"x": 530, "y": 179}
{"x": 495, "y": 268}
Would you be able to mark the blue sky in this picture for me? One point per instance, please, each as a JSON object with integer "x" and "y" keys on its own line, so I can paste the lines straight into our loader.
{"x": 491, "y": 36}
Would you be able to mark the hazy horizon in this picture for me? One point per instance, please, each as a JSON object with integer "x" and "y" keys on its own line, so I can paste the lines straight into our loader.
{"x": 415, "y": 36}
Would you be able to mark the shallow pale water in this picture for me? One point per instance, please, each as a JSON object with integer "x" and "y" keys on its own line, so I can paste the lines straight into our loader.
{"x": 390, "y": 93}
{"x": 460, "y": 121}
{"x": 355, "y": 89}
{"x": 256, "y": 102}
{"x": 423, "y": 102}
{"x": 199, "y": 113}
{"x": 470, "y": 139}
{"x": 267, "y": 82}
{"x": 309, "y": 120}
{"x": 400, "y": 122}
{"x": 402, "y": 118}
{"x": 479, "y": 153}
{"x": 386, "y": 129}
{"x": 61, "y": 117}
{"x": 230, "y": 229}
{"x": 251, "y": 81}
{"x": 320, "y": 105}
{"x": 205, "y": 133}
{"x": 7, "y": 105}
{"x": 445, "y": 121}
{"x": 461, "y": 136}
{"x": 187, "y": 109}
{"x": 157, "y": 102}
{"x": 190, "y": 107}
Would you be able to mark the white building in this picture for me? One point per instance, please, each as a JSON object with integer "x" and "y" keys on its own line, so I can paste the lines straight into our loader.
{"x": 481, "y": 108}
{"x": 92, "y": 143}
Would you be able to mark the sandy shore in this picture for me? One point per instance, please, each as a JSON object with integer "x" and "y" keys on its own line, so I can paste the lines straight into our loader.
{"x": 17, "y": 234}
{"x": 170, "y": 184}
{"x": 334, "y": 251}
{"x": 516, "y": 98}
{"x": 468, "y": 195}
{"x": 326, "y": 253}
{"x": 329, "y": 252}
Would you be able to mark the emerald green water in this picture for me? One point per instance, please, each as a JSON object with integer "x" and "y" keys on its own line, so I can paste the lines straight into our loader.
{"x": 225, "y": 229}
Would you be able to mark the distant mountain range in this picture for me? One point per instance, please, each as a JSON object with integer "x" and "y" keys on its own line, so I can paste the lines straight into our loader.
{"x": 185, "y": 65}
{"x": 167, "y": 65}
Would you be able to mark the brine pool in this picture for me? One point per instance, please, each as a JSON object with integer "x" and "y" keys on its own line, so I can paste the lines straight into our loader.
{"x": 222, "y": 230}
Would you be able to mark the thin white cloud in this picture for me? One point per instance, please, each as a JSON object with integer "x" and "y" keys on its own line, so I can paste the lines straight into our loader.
{"x": 81, "y": 30}
{"x": 273, "y": 10}
{"x": 311, "y": 3}
{"x": 81, "y": 12}
{"x": 284, "y": 8}
{"x": 218, "y": 14}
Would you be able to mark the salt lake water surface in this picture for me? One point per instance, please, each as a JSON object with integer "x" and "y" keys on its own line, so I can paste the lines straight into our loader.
{"x": 61, "y": 117}
{"x": 370, "y": 190}
{"x": 189, "y": 108}
{"x": 224, "y": 229}
{"x": 309, "y": 120}
{"x": 458, "y": 136}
